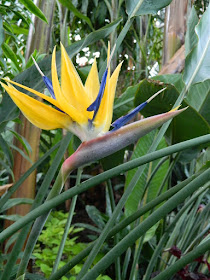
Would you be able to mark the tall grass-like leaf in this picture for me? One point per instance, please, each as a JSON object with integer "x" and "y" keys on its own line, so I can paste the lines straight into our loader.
{"x": 38, "y": 200}
{"x": 9, "y": 53}
{"x": 29, "y": 4}
{"x": 8, "y": 111}
{"x": 15, "y": 201}
{"x": 146, "y": 224}
{"x": 101, "y": 178}
{"x": 68, "y": 4}
{"x": 6, "y": 150}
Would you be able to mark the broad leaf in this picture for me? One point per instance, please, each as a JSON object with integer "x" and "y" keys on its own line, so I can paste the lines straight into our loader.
{"x": 135, "y": 197}
{"x": 199, "y": 98}
{"x": 138, "y": 7}
{"x": 186, "y": 126}
{"x": 197, "y": 64}
{"x": 191, "y": 37}
{"x": 173, "y": 79}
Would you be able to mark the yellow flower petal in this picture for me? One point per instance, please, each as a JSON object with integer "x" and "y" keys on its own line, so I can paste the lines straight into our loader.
{"x": 110, "y": 98}
{"x": 67, "y": 107}
{"x": 71, "y": 84}
{"x": 92, "y": 83}
{"x": 38, "y": 113}
{"x": 104, "y": 115}
{"x": 45, "y": 97}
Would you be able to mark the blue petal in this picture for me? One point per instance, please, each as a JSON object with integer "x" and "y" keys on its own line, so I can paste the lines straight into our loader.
{"x": 96, "y": 104}
{"x": 49, "y": 85}
{"x": 123, "y": 120}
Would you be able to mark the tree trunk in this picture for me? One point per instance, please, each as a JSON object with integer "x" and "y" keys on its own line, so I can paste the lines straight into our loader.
{"x": 175, "y": 28}
{"x": 37, "y": 39}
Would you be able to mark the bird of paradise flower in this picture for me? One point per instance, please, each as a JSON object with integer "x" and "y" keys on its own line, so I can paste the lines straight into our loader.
{"x": 86, "y": 110}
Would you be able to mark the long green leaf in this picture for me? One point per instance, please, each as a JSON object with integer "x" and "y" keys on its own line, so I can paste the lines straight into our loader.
{"x": 101, "y": 178}
{"x": 6, "y": 150}
{"x": 9, "y": 53}
{"x": 5, "y": 198}
{"x": 135, "y": 234}
{"x": 120, "y": 226}
{"x": 38, "y": 200}
{"x": 29, "y": 4}
{"x": 68, "y": 4}
{"x": 16, "y": 201}
{"x": 8, "y": 111}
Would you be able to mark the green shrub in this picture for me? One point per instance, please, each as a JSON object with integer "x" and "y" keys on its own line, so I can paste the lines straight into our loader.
{"x": 47, "y": 247}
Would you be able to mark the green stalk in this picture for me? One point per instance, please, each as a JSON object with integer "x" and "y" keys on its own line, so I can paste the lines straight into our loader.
{"x": 101, "y": 178}
{"x": 146, "y": 225}
{"x": 138, "y": 247}
{"x": 166, "y": 234}
{"x": 178, "y": 265}
{"x": 68, "y": 224}
{"x": 39, "y": 223}
{"x": 167, "y": 175}
{"x": 39, "y": 197}
{"x": 116, "y": 237}
{"x": 126, "y": 263}
{"x": 134, "y": 268}
{"x": 152, "y": 176}
{"x": 123, "y": 224}
{"x": 38, "y": 226}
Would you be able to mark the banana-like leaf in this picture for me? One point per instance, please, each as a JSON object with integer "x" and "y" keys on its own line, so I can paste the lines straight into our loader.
{"x": 135, "y": 197}
{"x": 188, "y": 125}
{"x": 199, "y": 98}
{"x": 197, "y": 64}
{"x": 191, "y": 37}
{"x": 138, "y": 7}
